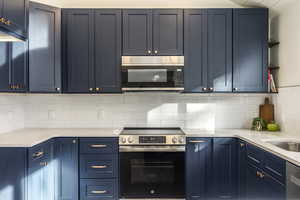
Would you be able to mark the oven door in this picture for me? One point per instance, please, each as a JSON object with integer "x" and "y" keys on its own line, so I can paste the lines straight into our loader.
{"x": 156, "y": 174}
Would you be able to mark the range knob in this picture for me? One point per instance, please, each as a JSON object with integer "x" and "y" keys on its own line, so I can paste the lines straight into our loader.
{"x": 174, "y": 140}
{"x": 181, "y": 140}
{"x": 123, "y": 140}
{"x": 130, "y": 139}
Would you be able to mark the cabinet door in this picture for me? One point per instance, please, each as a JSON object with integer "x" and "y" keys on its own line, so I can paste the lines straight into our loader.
{"x": 220, "y": 50}
{"x": 168, "y": 32}
{"x": 66, "y": 157}
{"x": 5, "y": 73}
{"x": 224, "y": 168}
{"x": 13, "y": 173}
{"x": 137, "y": 32}
{"x": 242, "y": 169}
{"x": 195, "y": 49}
{"x": 16, "y": 11}
{"x": 254, "y": 185}
{"x": 41, "y": 172}
{"x": 44, "y": 48}
{"x": 250, "y": 50}
{"x": 79, "y": 38}
{"x": 273, "y": 190}
{"x": 198, "y": 167}
{"x": 19, "y": 65}
{"x": 108, "y": 50}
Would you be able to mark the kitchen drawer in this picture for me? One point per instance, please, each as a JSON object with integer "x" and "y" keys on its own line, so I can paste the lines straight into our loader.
{"x": 274, "y": 166}
{"x": 98, "y": 166}
{"x": 40, "y": 152}
{"x": 255, "y": 155}
{"x": 93, "y": 189}
{"x": 99, "y": 145}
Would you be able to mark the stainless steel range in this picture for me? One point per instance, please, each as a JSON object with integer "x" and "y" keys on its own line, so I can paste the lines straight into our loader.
{"x": 152, "y": 163}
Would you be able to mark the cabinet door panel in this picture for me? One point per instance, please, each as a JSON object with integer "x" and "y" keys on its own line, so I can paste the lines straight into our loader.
{"x": 19, "y": 65}
{"x": 13, "y": 173}
{"x": 16, "y": 11}
{"x": 5, "y": 73}
{"x": 168, "y": 32}
{"x": 254, "y": 185}
{"x": 198, "y": 167}
{"x": 108, "y": 50}
{"x": 66, "y": 157}
{"x": 80, "y": 50}
{"x": 137, "y": 32}
{"x": 44, "y": 48}
{"x": 220, "y": 50}
{"x": 195, "y": 45}
{"x": 224, "y": 168}
{"x": 250, "y": 50}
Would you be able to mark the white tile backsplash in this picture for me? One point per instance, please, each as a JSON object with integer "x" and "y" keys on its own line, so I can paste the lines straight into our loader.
{"x": 205, "y": 111}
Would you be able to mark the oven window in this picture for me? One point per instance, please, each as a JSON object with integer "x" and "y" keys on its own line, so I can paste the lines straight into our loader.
{"x": 152, "y": 175}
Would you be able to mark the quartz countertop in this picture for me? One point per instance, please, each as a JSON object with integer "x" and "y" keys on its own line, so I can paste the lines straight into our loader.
{"x": 31, "y": 136}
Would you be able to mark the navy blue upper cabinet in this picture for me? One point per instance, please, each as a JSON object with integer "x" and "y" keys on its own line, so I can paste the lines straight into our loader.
{"x": 78, "y": 35}
{"x": 13, "y": 75}
{"x": 250, "y": 50}
{"x": 15, "y": 17}
{"x": 13, "y": 168}
{"x": 168, "y": 32}
{"x": 195, "y": 50}
{"x": 219, "y": 64}
{"x": 198, "y": 168}
{"x": 224, "y": 169}
{"x": 153, "y": 32}
{"x": 44, "y": 48}
{"x": 66, "y": 161}
{"x": 137, "y": 32}
{"x": 108, "y": 44}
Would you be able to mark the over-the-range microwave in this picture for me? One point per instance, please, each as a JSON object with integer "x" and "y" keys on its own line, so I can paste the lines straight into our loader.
{"x": 152, "y": 73}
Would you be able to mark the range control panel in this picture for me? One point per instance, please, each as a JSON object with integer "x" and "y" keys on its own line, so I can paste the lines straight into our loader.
{"x": 152, "y": 140}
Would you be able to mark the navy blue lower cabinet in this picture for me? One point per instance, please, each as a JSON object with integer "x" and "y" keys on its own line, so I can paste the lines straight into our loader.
{"x": 198, "y": 167}
{"x": 66, "y": 168}
{"x": 95, "y": 189}
{"x": 225, "y": 172}
{"x": 13, "y": 173}
{"x": 254, "y": 186}
{"x": 41, "y": 177}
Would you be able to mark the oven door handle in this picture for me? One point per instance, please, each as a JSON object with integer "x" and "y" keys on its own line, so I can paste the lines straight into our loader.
{"x": 177, "y": 148}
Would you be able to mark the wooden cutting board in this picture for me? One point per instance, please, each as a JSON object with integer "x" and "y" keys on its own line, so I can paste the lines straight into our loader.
{"x": 266, "y": 111}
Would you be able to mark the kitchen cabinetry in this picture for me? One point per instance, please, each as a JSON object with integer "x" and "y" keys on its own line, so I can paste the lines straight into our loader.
{"x": 13, "y": 168}
{"x": 66, "y": 168}
{"x": 242, "y": 169}
{"x": 14, "y": 18}
{"x": 44, "y": 48}
{"x": 198, "y": 168}
{"x": 208, "y": 50}
{"x": 99, "y": 168}
{"x": 153, "y": 32}
{"x": 224, "y": 168}
{"x": 13, "y": 76}
{"x": 41, "y": 177}
{"x": 92, "y": 46}
{"x": 250, "y": 50}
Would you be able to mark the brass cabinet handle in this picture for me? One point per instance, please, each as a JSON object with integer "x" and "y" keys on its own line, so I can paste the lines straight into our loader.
{"x": 2, "y": 20}
{"x": 235, "y": 89}
{"x": 98, "y": 166}
{"x": 196, "y": 141}
{"x": 242, "y": 144}
{"x": 57, "y": 89}
{"x": 204, "y": 89}
{"x": 7, "y": 22}
{"x": 149, "y": 51}
{"x": 211, "y": 89}
{"x": 98, "y": 89}
{"x": 43, "y": 163}
{"x": 98, "y": 145}
{"x": 155, "y": 51}
{"x": 38, "y": 154}
{"x": 98, "y": 191}
{"x": 91, "y": 89}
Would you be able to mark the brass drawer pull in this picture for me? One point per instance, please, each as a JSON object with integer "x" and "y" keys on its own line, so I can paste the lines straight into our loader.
{"x": 242, "y": 144}
{"x": 196, "y": 141}
{"x": 98, "y": 145}
{"x": 38, "y": 154}
{"x": 98, "y": 166}
{"x": 98, "y": 191}
{"x": 7, "y": 22}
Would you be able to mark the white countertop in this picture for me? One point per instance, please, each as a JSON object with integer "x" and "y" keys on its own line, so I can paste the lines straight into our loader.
{"x": 31, "y": 137}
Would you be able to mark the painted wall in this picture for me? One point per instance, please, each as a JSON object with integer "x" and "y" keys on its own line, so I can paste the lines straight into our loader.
{"x": 285, "y": 27}
{"x": 140, "y": 3}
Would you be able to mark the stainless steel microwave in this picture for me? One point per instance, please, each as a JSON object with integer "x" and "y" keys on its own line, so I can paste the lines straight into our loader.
{"x": 152, "y": 73}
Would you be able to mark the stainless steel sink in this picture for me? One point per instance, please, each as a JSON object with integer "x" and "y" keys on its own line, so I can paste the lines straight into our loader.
{"x": 287, "y": 145}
